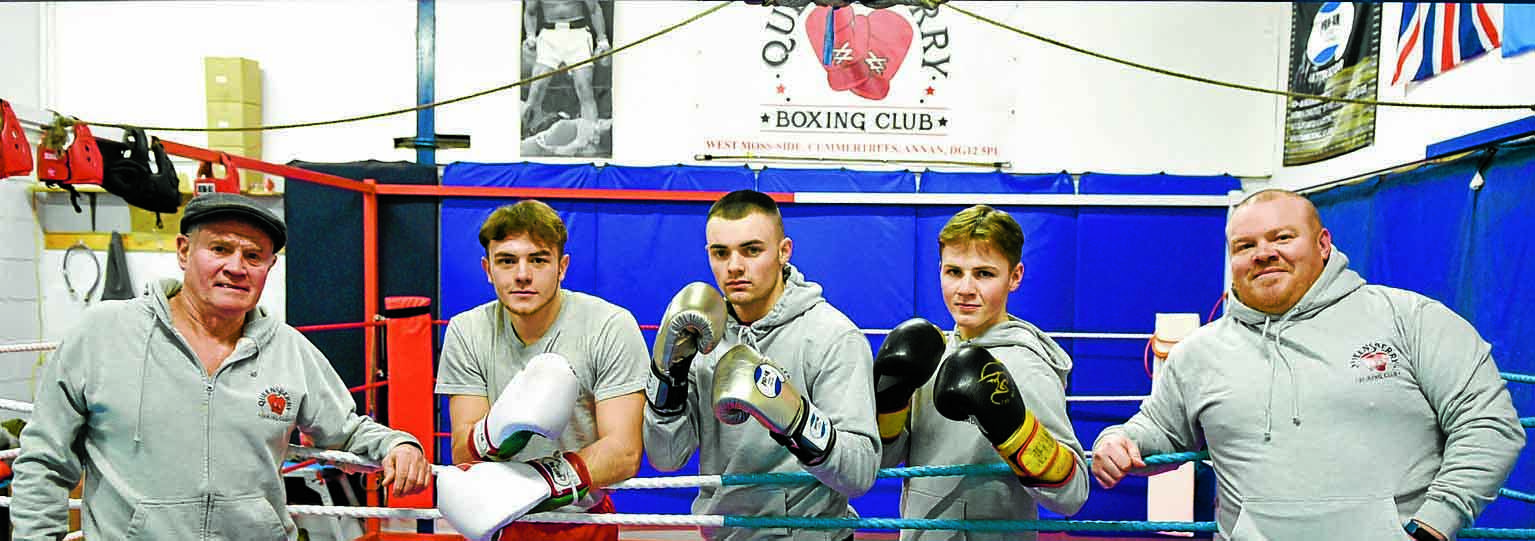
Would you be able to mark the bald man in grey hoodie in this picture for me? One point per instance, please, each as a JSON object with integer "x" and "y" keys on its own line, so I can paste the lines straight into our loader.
{"x": 1398, "y": 426}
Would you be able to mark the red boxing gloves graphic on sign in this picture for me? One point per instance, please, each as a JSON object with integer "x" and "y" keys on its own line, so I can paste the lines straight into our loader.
{"x": 867, "y": 50}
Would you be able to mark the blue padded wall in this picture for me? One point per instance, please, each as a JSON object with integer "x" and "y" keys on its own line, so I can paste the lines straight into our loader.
{"x": 1133, "y": 262}
{"x": 1428, "y": 231}
{"x": 860, "y": 254}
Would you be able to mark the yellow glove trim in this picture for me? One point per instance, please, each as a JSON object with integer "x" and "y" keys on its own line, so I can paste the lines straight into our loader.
{"x": 893, "y": 424}
{"x": 1034, "y": 454}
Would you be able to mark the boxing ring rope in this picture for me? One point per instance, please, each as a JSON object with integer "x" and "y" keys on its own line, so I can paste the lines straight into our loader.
{"x": 1519, "y": 378}
{"x": 1106, "y": 398}
{"x": 369, "y": 190}
{"x": 47, "y": 346}
{"x": 15, "y": 405}
{"x": 735, "y": 521}
{"x": 338, "y": 326}
{"x": 358, "y": 463}
{"x": 349, "y": 459}
{"x": 23, "y": 348}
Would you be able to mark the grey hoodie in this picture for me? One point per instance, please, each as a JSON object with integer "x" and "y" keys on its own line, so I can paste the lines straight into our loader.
{"x": 1360, "y": 408}
{"x": 1041, "y": 370}
{"x": 167, "y": 451}
{"x": 829, "y": 360}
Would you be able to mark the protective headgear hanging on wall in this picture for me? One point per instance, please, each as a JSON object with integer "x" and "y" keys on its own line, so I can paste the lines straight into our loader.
{"x": 128, "y": 173}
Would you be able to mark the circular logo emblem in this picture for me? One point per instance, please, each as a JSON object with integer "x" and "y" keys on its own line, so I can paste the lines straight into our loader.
{"x": 1374, "y": 357}
{"x": 769, "y": 380}
{"x": 1330, "y": 30}
{"x": 275, "y": 403}
{"x": 818, "y": 428}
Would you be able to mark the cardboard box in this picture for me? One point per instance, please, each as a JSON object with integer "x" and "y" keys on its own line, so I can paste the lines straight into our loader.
{"x": 232, "y": 79}
{"x": 234, "y": 115}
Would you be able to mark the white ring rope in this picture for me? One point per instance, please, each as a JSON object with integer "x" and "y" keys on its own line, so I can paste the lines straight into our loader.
{"x": 632, "y": 519}
{"x": 335, "y": 457}
{"x": 400, "y": 513}
{"x": 679, "y": 481}
{"x": 50, "y": 346}
{"x": 1107, "y": 398}
{"x": 23, "y": 348}
{"x": 355, "y": 462}
{"x": 627, "y": 519}
{"x": 15, "y": 405}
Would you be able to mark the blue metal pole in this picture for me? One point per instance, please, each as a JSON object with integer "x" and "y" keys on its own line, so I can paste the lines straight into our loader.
{"x": 426, "y": 80}
{"x": 426, "y": 132}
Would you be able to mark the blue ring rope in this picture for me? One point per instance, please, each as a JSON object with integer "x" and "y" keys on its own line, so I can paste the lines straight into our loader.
{"x": 1519, "y": 378}
{"x": 1516, "y": 495}
{"x": 997, "y": 468}
{"x": 736, "y": 521}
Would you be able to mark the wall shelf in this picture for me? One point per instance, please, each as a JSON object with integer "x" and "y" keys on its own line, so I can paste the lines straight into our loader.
{"x": 132, "y": 242}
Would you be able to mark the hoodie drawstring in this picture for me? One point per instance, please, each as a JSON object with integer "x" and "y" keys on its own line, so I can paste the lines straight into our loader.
{"x": 138, "y": 422}
{"x": 1294, "y": 385}
{"x": 1268, "y": 412}
{"x": 746, "y": 336}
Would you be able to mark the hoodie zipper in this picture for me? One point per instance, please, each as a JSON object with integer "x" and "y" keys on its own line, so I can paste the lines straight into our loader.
{"x": 207, "y": 455}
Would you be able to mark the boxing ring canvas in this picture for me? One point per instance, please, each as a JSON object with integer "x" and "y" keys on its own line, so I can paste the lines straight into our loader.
{"x": 1087, "y": 268}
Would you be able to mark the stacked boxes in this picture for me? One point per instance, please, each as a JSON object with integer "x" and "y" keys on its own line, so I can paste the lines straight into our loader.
{"x": 234, "y": 100}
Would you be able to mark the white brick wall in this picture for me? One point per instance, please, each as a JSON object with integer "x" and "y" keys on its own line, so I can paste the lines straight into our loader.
{"x": 20, "y": 314}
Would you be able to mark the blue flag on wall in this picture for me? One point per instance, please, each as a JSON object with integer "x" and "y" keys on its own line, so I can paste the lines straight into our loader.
{"x": 1518, "y": 29}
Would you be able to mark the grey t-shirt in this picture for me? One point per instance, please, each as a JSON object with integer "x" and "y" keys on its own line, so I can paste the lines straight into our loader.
{"x": 602, "y": 341}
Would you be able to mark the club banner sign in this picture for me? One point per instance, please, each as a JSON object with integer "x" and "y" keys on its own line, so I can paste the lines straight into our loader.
{"x": 897, "y": 83}
{"x": 1334, "y": 51}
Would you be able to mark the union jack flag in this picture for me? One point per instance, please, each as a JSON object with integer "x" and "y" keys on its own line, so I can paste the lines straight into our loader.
{"x": 1435, "y": 37}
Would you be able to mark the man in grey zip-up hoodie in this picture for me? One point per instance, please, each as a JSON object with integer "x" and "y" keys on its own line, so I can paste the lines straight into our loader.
{"x": 1332, "y": 409}
{"x": 981, "y": 251}
{"x": 178, "y": 405}
{"x": 778, "y": 313}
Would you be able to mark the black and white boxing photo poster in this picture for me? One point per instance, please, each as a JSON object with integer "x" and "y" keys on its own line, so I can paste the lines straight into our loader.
{"x": 569, "y": 114}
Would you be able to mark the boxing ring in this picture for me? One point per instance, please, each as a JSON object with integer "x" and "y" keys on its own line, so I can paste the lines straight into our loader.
{"x": 411, "y": 405}
{"x": 408, "y": 328}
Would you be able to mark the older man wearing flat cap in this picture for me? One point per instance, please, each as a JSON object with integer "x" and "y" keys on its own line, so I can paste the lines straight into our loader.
{"x": 178, "y": 406}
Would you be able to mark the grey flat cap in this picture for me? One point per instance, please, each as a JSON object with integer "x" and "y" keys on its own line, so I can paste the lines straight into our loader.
{"x": 214, "y": 206}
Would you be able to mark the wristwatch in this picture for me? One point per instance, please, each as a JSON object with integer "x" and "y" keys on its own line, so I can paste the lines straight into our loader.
{"x": 1420, "y": 534}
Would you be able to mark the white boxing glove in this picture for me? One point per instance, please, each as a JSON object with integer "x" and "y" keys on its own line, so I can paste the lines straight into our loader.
{"x": 480, "y": 498}
{"x": 538, "y": 400}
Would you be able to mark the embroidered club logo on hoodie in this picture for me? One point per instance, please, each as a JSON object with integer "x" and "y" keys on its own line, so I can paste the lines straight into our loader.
{"x": 1376, "y": 361}
{"x": 275, "y": 403}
